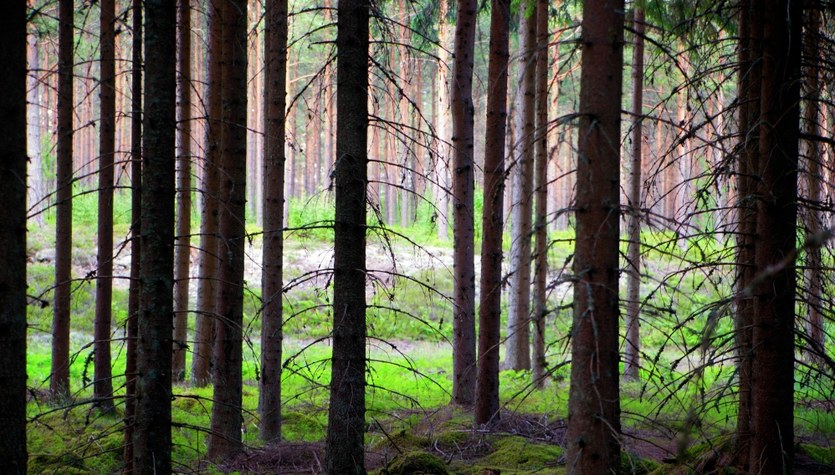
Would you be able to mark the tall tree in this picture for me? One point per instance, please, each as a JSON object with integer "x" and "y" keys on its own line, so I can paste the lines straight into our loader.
{"x": 540, "y": 310}
{"x": 346, "y": 416}
{"x": 772, "y": 365}
{"x": 461, "y": 101}
{"x": 489, "y": 310}
{"x": 748, "y": 90}
{"x": 210, "y": 251}
{"x": 103, "y": 378}
{"x": 134, "y": 292}
{"x": 275, "y": 85}
{"x": 518, "y": 345}
{"x": 227, "y": 418}
{"x": 632, "y": 348}
{"x": 182, "y": 245}
{"x": 152, "y": 432}
{"x": 444, "y": 124}
{"x": 13, "y": 458}
{"x": 593, "y": 402}
{"x": 59, "y": 384}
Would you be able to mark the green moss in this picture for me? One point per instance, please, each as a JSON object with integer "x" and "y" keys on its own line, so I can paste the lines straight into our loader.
{"x": 515, "y": 455}
{"x": 413, "y": 463}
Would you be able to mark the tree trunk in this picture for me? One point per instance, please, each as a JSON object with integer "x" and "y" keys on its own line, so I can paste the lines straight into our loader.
{"x": 275, "y": 70}
{"x": 210, "y": 252}
{"x": 152, "y": 436}
{"x": 461, "y": 101}
{"x": 814, "y": 180}
{"x": 749, "y": 79}
{"x": 59, "y": 385}
{"x": 442, "y": 165}
{"x": 103, "y": 378}
{"x": 541, "y": 177}
{"x": 225, "y": 438}
{"x": 37, "y": 187}
{"x": 632, "y": 347}
{"x": 346, "y": 416}
{"x": 406, "y": 140}
{"x": 134, "y": 292}
{"x": 518, "y": 346}
{"x": 13, "y": 458}
{"x": 182, "y": 244}
{"x": 490, "y": 311}
{"x": 772, "y": 366}
{"x": 594, "y": 400}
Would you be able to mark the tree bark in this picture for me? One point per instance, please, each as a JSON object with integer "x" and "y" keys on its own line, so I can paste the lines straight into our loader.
{"x": 37, "y": 187}
{"x": 152, "y": 436}
{"x": 772, "y": 339}
{"x": 59, "y": 384}
{"x": 594, "y": 399}
{"x": 134, "y": 292}
{"x": 346, "y": 416}
{"x": 227, "y": 418}
{"x": 275, "y": 70}
{"x": 518, "y": 345}
{"x": 442, "y": 165}
{"x": 540, "y": 295}
{"x": 13, "y": 457}
{"x": 182, "y": 244}
{"x": 461, "y": 101}
{"x": 210, "y": 251}
{"x": 103, "y": 377}
{"x": 490, "y": 311}
{"x": 632, "y": 347}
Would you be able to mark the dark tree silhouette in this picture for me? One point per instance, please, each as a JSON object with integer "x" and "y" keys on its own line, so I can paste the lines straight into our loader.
{"x": 103, "y": 377}
{"x": 275, "y": 70}
{"x": 594, "y": 398}
{"x": 13, "y": 458}
{"x": 461, "y": 102}
{"x": 490, "y": 311}
{"x": 346, "y": 416}
{"x": 152, "y": 433}
{"x": 59, "y": 384}
{"x": 225, "y": 435}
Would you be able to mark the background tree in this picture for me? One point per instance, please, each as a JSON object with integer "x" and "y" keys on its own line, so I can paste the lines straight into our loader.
{"x": 518, "y": 343}
{"x": 152, "y": 432}
{"x": 489, "y": 310}
{"x": 461, "y": 102}
{"x": 594, "y": 397}
{"x": 225, "y": 436}
{"x": 182, "y": 246}
{"x": 59, "y": 384}
{"x": 272, "y": 282}
{"x": 346, "y": 415}
{"x": 13, "y": 457}
{"x": 632, "y": 348}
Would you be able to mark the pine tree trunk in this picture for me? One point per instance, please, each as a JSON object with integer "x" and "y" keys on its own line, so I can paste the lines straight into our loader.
{"x": 182, "y": 244}
{"x": 461, "y": 101}
{"x": 59, "y": 384}
{"x": 134, "y": 292}
{"x": 540, "y": 295}
{"x": 37, "y": 187}
{"x": 632, "y": 347}
{"x": 518, "y": 345}
{"x": 489, "y": 312}
{"x": 772, "y": 366}
{"x": 152, "y": 436}
{"x": 102, "y": 378}
{"x": 444, "y": 121}
{"x": 346, "y": 415}
{"x": 594, "y": 400}
{"x": 210, "y": 250}
{"x": 225, "y": 438}
{"x": 275, "y": 70}
{"x": 13, "y": 458}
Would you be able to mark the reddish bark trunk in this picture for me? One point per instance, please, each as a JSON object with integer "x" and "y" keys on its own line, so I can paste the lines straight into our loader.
{"x": 594, "y": 399}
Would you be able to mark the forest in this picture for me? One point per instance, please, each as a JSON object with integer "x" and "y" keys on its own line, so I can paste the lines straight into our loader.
{"x": 417, "y": 237}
